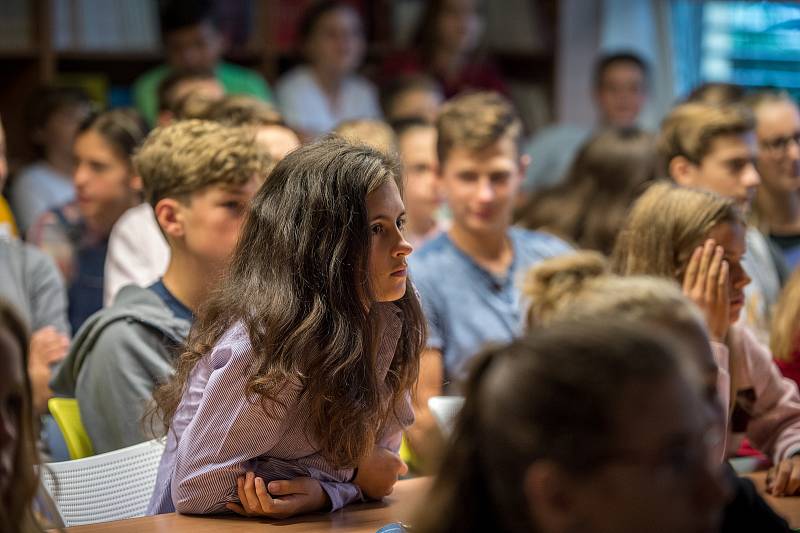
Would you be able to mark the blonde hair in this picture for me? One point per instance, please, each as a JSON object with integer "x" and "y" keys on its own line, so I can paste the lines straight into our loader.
{"x": 664, "y": 226}
{"x": 187, "y": 156}
{"x": 476, "y": 121}
{"x": 376, "y": 134}
{"x": 552, "y": 283}
{"x": 690, "y": 129}
{"x": 579, "y": 286}
{"x": 785, "y": 330}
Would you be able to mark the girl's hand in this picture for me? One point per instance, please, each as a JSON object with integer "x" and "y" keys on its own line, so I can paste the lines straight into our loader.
{"x": 378, "y": 472}
{"x": 706, "y": 284}
{"x": 285, "y": 498}
{"x": 784, "y": 478}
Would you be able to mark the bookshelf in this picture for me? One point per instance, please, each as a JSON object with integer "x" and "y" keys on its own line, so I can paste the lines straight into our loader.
{"x": 45, "y": 41}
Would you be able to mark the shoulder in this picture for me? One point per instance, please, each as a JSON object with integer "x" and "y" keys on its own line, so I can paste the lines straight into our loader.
{"x": 298, "y": 77}
{"x": 237, "y": 78}
{"x": 137, "y": 223}
{"x": 435, "y": 253}
{"x": 537, "y": 243}
{"x": 237, "y": 71}
{"x": 150, "y": 79}
{"x": 361, "y": 84}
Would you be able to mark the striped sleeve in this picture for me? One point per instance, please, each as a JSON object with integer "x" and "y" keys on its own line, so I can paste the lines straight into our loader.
{"x": 228, "y": 430}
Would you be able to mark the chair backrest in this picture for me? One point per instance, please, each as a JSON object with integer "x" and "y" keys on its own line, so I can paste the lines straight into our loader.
{"x": 68, "y": 417}
{"x": 444, "y": 410}
{"x": 105, "y": 487}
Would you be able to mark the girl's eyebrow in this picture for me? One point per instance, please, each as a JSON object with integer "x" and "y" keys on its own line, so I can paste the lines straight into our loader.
{"x": 387, "y": 217}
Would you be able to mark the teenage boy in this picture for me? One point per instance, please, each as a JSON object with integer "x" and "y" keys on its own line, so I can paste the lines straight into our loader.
{"x": 714, "y": 148}
{"x": 619, "y": 91}
{"x": 199, "y": 177}
{"x": 416, "y": 144}
{"x": 778, "y": 200}
{"x": 468, "y": 277}
{"x": 192, "y": 42}
{"x": 137, "y": 251}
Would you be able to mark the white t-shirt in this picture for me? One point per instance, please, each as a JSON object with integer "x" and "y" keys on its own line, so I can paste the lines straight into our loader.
{"x": 37, "y": 188}
{"x": 137, "y": 253}
{"x": 305, "y": 106}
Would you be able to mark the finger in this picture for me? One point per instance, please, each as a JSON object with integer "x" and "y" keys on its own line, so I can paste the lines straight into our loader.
{"x": 723, "y": 289}
{"x": 782, "y": 478}
{"x": 691, "y": 270}
{"x": 714, "y": 269}
{"x": 250, "y": 493}
{"x": 403, "y": 468}
{"x": 793, "y": 484}
{"x": 263, "y": 496}
{"x": 286, "y": 487}
{"x": 705, "y": 263}
{"x": 236, "y": 508}
{"x": 242, "y": 495}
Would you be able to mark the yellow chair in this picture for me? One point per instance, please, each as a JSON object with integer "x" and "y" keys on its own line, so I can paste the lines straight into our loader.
{"x": 68, "y": 417}
{"x": 408, "y": 456}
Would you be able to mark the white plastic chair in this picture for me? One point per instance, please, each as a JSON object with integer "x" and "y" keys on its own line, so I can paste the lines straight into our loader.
{"x": 444, "y": 410}
{"x": 105, "y": 487}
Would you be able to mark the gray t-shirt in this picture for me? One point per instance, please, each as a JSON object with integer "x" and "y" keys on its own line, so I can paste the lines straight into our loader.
{"x": 29, "y": 280}
{"x": 466, "y": 306}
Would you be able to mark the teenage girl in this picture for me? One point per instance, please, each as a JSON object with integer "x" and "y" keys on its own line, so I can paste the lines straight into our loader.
{"x": 295, "y": 386}
{"x": 698, "y": 239}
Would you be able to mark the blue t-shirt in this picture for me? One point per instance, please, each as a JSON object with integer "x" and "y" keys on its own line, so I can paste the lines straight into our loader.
{"x": 466, "y": 306}
{"x": 172, "y": 303}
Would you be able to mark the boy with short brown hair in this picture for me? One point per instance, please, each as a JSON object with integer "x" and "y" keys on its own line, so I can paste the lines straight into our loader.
{"x": 467, "y": 276}
{"x": 713, "y": 148}
{"x": 199, "y": 177}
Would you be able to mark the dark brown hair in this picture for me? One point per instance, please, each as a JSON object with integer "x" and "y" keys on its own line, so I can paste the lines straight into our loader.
{"x": 589, "y": 207}
{"x": 553, "y": 395}
{"x": 299, "y": 284}
{"x": 15, "y": 511}
{"x": 123, "y": 129}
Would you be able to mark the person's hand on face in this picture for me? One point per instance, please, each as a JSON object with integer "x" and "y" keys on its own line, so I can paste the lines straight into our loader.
{"x": 706, "y": 284}
{"x": 783, "y": 479}
{"x": 279, "y": 499}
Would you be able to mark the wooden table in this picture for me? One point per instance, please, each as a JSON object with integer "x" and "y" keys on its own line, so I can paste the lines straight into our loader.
{"x": 788, "y": 507}
{"x": 362, "y": 518}
{"x": 366, "y": 517}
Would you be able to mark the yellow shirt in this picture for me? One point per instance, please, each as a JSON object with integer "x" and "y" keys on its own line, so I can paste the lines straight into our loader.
{"x": 8, "y": 228}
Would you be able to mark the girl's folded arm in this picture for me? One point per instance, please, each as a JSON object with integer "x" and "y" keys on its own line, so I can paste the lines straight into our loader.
{"x": 228, "y": 430}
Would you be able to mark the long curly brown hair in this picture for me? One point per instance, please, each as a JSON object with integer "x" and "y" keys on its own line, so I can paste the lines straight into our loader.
{"x": 15, "y": 510}
{"x": 299, "y": 283}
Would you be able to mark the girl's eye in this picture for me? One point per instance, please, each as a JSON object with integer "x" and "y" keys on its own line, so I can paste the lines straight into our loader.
{"x": 376, "y": 229}
{"x": 401, "y": 223}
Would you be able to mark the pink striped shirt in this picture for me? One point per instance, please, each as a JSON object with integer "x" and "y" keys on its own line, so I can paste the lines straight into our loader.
{"x": 218, "y": 435}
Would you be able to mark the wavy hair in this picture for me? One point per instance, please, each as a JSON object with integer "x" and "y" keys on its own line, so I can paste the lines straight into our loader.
{"x": 16, "y": 513}
{"x": 299, "y": 284}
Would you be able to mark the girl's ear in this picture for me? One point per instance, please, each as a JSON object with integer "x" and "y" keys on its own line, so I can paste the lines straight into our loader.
{"x": 552, "y": 496}
{"x": 169, "y": 214}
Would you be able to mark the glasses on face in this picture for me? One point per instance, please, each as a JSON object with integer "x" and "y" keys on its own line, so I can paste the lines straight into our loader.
{"x": 779, "y": 145}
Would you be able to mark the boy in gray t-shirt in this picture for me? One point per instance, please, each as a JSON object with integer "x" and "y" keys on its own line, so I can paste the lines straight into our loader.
{"x": 468, "y": 277}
